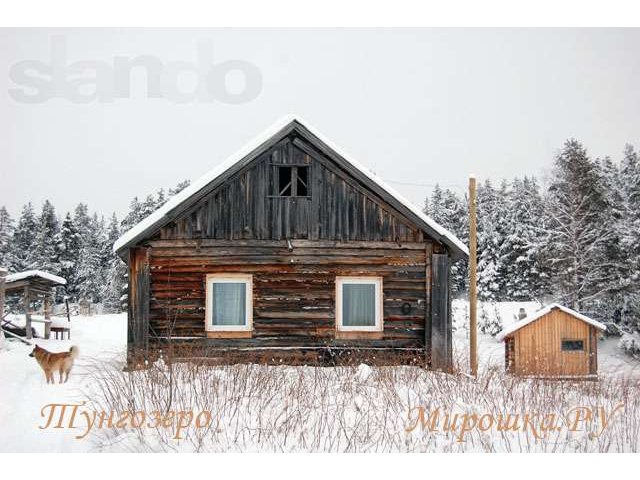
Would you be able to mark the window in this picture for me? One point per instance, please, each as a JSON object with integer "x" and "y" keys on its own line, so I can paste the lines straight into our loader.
{"x": 291, "y": 181}
{"x": 359, "y": 304}
{"x": 572, "y": 345}
{"x": 229, "y": 303}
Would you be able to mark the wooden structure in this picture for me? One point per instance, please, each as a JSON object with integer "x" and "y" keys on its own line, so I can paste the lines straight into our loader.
{"x": 32, "y": 285}
{"x": 555, "y": 342}
{"x": 287, "y": 221}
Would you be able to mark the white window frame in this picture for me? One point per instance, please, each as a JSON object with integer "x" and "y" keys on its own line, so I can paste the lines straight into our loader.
{"x": 229, "y": 278}
{"x": 377, "y": 282}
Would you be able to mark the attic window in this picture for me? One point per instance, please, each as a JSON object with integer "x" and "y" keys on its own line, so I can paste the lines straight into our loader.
{"x": 291, "y": 181}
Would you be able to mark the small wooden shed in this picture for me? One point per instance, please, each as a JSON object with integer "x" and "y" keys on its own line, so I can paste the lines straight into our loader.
{"x": 554, "y": 342}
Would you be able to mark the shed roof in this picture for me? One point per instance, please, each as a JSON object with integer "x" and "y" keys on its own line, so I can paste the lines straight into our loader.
{"x": 507, "y": 331}
{"x": 14, "y": 277}
{"x": 161, "y": 216}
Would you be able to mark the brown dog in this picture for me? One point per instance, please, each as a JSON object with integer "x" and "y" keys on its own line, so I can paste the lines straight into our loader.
{"x": 52, "y": 362}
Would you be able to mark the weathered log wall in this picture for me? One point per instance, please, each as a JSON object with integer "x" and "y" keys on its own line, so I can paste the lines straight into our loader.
{"x": 293, "y": 291}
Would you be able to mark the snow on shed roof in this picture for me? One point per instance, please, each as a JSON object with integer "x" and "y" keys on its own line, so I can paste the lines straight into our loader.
{"x": 14, "y": 277}
{"x": 156, "y": 219}
{"x": 542, "y": 312}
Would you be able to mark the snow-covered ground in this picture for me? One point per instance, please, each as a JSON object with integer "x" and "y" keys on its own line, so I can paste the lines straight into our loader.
{"x": 343, "y": 393}
{"x": 24, "y": 391}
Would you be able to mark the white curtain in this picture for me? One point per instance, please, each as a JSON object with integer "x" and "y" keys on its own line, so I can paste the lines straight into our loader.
{"x": 358, "y": 305}
{"x": 229, "y": 303}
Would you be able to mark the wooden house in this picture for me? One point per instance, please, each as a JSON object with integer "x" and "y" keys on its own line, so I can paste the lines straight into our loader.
{"x": 554, "y": 342}
{"x": 294, "y": 252}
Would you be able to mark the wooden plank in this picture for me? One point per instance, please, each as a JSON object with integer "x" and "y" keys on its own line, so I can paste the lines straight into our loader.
{"x": 428, "y": 251}
{"x": 538, "y": 347}
{"x": 26, "y": 300}
{"x": 139, "y": 301}
{"x": 441, "y": 351}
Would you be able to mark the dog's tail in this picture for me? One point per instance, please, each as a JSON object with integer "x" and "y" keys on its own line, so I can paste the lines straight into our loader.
{"x": 74, "y": 351}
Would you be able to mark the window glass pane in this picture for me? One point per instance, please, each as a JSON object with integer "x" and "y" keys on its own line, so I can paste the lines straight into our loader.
{"x": 229, "y": 303}
{"x": 572, "y": 345}
{"x": 358, "y": 305}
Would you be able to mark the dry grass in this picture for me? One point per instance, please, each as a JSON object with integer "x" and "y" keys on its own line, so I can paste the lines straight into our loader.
{"x": 354, "y": 409}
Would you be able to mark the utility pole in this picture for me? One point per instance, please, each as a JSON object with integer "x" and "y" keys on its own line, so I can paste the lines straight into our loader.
{"x": 473, "y": 294}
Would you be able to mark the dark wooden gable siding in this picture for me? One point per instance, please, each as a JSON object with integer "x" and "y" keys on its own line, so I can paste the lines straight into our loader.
{"x": 338, "y": 207}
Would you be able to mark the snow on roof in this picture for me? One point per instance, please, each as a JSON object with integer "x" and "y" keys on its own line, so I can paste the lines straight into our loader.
{"x": 156, "y": 219}
{"x": 540, "y": 313}
{"x": 14, "y": 277}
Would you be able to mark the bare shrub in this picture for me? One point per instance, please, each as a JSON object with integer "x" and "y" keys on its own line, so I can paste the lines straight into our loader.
{"x": 354, "y": 408}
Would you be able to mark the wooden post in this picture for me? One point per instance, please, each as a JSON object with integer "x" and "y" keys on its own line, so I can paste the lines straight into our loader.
{"x": 47, "y": 307}
{"x": 66, "y": 304}
{"x": 27, "y": 312}
{"x": 47, "y": 316}
{"x": 473, "y": 319}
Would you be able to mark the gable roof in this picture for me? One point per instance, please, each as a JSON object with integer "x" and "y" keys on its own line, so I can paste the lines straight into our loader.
{"x": 541, "y": 313}
{"x": 14, "y": 277}
{"x": 275, "y": 132}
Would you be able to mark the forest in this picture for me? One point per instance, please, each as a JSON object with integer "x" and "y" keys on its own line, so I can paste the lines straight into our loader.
{"x": 572, "y": 236}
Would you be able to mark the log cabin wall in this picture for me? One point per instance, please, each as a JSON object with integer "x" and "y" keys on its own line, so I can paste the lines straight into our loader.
{"x": 294, "y": 247}
{"x": 538, "y": 352}
{"x": 293, "y": 292}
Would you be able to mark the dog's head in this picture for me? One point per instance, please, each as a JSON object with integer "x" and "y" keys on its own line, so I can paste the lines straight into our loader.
{"x": 33, "y": 352}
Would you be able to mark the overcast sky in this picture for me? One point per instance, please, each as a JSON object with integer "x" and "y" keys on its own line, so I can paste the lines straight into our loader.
{"x": 416, "y": 106}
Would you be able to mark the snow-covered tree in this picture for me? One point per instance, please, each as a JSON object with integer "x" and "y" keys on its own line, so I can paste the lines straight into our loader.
{"x": 520, "y": 248}
{"x": 491, "y": 210}
{"x": 116, "y": 270}
{"x": 45, "y": 256}
{"x": 91, "y": 275}
{"x": 6, "y": 235}
{"x": 451, "y": 211}
{"x": 24, "y": 240}
{"x": 69, "y": 243}
{"x": 578, "y": 230}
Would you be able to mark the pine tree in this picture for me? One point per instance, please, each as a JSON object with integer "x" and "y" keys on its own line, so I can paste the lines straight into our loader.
{"x": 520, "y": 247}
{"x": 6, "y": 235}
{"x": 24, "y": 240}
{"x": 179, "y": 187}
{"x": 45, "y": 255}
{"x": 578, "y": 229}
{"x": 629, "y": 234}
{"x": 451, "y": 212}
{"x": 90, "y": 272}
{"x": 82, "y": 220}
{"x": 490, "y": 238}
{"x": 133, "y": 216}
{"x": 69, "y": 243}
{"x": 116, "y": 270}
